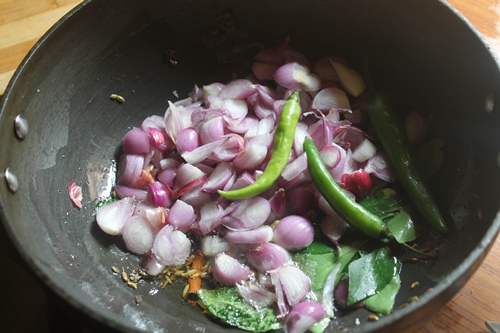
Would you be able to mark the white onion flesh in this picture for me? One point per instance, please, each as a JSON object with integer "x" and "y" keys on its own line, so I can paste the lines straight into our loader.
{"x": 228, "y": 270}
{"x": 171, "y": 247}
{"x": 112, "y": 217}
{"x": 256, "y": 236}
{"x": 138, "y": 235}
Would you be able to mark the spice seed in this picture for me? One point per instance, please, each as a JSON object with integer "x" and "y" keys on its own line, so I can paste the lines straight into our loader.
{"x": 124, "y": 276}
{"x": 185, "y": 291}
{"x": 137, "y": 300}
{"x": 414, "y": 285}
{"x": 115, "y": 270}
{"x": 120, "y": 99}
{"x": 373, "y": 318}
{"x": 413, "y": 299}
{"x": 479, "y": 213}
{"x": 403, "y": 305}
{"x": 132, "y": 285}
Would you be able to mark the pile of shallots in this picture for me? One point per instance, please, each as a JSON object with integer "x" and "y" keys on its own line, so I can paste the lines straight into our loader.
{"x": 220, "y": 138}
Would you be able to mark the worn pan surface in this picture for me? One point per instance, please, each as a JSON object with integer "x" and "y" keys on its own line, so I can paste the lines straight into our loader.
{"x": 432, "y": 59}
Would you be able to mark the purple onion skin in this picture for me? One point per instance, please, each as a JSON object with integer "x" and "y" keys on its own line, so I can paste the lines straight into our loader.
{"x": 341, "y": 293}
{"x": 136, "y": 142}
{"x": 267, "y": 256}
{"x": 293, "y": 233}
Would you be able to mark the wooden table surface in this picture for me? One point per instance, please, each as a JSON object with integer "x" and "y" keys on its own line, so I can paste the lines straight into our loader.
{"x": 22, "y": 23}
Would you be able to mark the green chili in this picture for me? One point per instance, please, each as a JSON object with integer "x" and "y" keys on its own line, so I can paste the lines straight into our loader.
{"x": 283, "y": 140}
{"x": 391, "y": 133}
{"x": 353, "y": 213}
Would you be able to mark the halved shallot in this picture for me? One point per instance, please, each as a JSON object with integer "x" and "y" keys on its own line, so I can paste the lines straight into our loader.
{"x": 303, "y": 316}
{"x": 171, "y": 247}
{"x": 246, "y": 214}
{"x": 228, "y": 270}
{"x": 293, "y": 232}
{"x": 112, "y": 217}
{"x": 138, "y": 235}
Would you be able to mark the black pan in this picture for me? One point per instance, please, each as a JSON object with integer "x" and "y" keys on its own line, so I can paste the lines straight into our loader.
{"x": 432, "y": 58}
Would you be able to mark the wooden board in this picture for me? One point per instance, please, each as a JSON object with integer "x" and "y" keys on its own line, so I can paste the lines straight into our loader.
{"x": 22, "y": 23}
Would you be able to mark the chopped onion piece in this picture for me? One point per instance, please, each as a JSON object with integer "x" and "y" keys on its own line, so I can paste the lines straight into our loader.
{"x": 138, "y": 235}
{"x": 181, "y": 216}
{"x": 151, "y": 265}
{"x": 246, "y": 214}
{"x": 267, "y": 256}
{"x": 171, "y": 247}
{"x": 125, "y": 191}
{"x": 155, "y": 216}
{"x": 160, "y": 195}
{"x": 210, "y": 217}
{"x": 256, "y": 295}
{"x": 358, "y": 183}
{"x": 221, "y": 175}
{"x": 365, "y": 150}
{"x": 293, "y": 233}
{"x": 167, "y": 177}
{"x": 135, "y": 142}
{"x": 213, "y": 245}
{"x": 303, "y": 316}
{"x": 333, "y": 227}
{"x": 212, "y": 130}
{"x": 262, "y": 234}
{"x": 379, "y": 166}
{"x": 294, "y": 282}
{"x": 229, "y": 271}
{"x": 112, "y": 217}
{"x": 129, "y": 168}
{"x": 351, "y": 80}
{"x": 239, "y": 88}
{"x": 331, "y": 98}
{"x": 293, "y": 75}
{"x": 187, "y": 140}
{"x": 324, "y": 69}
{"x": 186, "y": 174}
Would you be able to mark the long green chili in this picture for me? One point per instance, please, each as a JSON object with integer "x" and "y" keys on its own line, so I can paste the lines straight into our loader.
{"x": 283, "y": 140}
{"x": 353, "y": 213}
{"x": 390, "y": 132}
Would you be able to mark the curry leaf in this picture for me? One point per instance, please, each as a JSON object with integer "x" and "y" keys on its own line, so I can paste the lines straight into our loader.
{"x": 369, "y": 274}
{"x": 384, "y": 203}
{"x": 383, "y": 302}
{"x": 103, "y": 202}
{"x": 318, "y": 260}
{"x": 226, "y": 304}
{"x": 402, "y": 227}
{"x": 320, "y": 326}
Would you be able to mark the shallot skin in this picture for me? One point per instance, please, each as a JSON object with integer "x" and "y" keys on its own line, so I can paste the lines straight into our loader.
{"x": 75, "y": 194}
{"x": 293, "y": 232}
